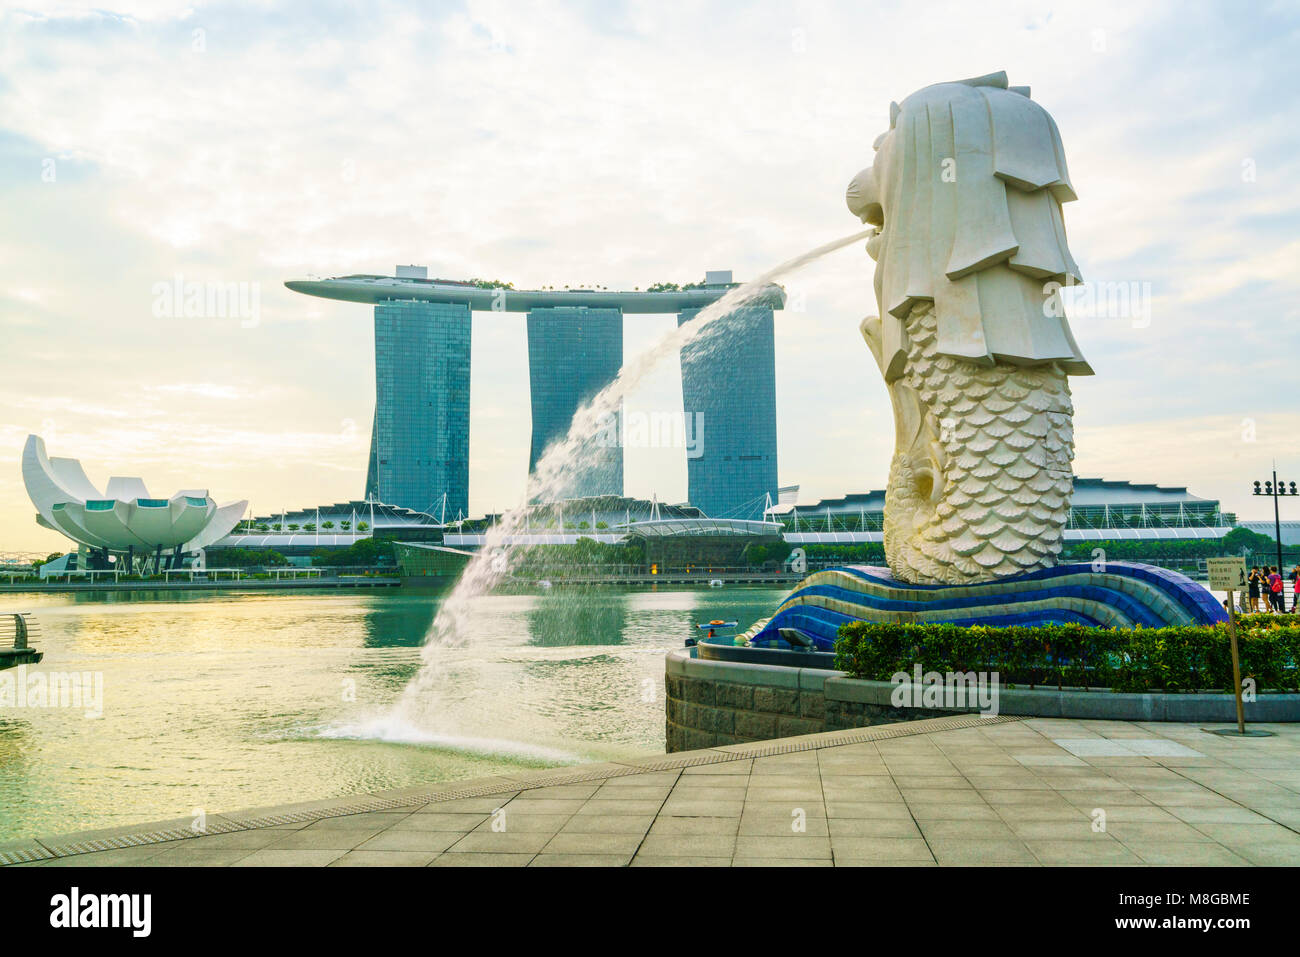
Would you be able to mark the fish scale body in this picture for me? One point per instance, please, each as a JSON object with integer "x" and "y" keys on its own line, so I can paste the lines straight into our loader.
{"x": 983, "y": 489}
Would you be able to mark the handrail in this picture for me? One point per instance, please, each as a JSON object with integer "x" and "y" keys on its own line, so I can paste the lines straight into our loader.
{"x": 22, "y": 627}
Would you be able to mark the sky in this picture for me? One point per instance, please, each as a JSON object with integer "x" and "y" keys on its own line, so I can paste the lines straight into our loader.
{"x": 615, "y": 144}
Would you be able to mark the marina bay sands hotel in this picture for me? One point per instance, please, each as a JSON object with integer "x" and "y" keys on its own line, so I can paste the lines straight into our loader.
{"x": 419, "y": 447}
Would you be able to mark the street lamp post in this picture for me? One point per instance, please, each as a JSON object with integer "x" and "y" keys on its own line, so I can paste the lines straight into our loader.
{"x": 1275, "y": 490}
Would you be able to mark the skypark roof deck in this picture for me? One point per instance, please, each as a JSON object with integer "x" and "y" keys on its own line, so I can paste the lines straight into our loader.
{"x": 375, "y": 289}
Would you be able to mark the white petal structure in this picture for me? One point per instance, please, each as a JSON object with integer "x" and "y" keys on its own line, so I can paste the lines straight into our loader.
{"x": 124, "y": 516}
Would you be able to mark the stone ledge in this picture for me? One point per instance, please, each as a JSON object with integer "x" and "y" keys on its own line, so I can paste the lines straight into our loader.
{"x": 1098, "y": 704}
{"x": 681, "y": 663}
{"x": 712, "y": 703}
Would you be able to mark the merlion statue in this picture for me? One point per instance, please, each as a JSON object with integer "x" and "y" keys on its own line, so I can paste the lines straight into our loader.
{"x": 966, "y": 192}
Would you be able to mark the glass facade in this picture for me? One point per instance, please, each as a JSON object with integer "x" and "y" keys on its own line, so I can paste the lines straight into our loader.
{"x": 420, "y": 436}
{"x": 729, "y": 384}
{"x": 574, "y": 352}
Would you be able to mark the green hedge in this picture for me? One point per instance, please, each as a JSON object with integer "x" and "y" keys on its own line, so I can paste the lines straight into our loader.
{"x": 1189, "y": 658}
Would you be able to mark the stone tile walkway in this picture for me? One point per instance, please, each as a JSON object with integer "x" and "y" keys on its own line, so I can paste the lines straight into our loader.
{"x": 948, "y": 791}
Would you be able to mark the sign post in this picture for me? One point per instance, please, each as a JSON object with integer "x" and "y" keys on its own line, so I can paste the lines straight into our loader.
{"x": 1229, "y": 574}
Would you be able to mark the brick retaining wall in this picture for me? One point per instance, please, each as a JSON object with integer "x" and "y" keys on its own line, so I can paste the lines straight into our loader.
{"x": 712, "y": 703}
{"x": 739, "y": 703}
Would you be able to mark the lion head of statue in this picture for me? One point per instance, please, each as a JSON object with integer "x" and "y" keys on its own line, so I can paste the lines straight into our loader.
{"x": 966, "y": 192}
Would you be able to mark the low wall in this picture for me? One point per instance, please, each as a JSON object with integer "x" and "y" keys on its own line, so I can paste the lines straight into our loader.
{"x": 711, "y": 703}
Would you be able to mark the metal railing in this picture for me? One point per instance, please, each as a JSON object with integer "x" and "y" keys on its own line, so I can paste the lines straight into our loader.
{"x": 18, "y": 629}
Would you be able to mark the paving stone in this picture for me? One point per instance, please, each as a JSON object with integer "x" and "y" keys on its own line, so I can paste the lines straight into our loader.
{"x": 249, "y": 840}
{"x": 723, "y": 767}
{"x": 378, "y": 820}
{"x": 385, "y": 859}
{"x": 1077, "y": 829}
{"x": 451, "y": 821}
{"x": 1150, "y": 832}
{"x": 652, "y": 860}
{"x": 545, "y": 806}
{"x": 1058, "y": 853}
{"x": 942, "y": 796}
{"x": 480, "y": 859}
{"x": 967, "y": 830}
{"x": 609, "y": 824}
{"x": 1088, "y": 799}
{"x": 433, "y": 842}
{"x": 1188, "y": 798}
{"x": 703, "y": 807}
{"x": 689, "y": 845}
{"x": 873, "y": 827}
{"x": 874, "y": 862}
{"x": 711, "y": 781}
{"x": 523, "y": 821}
{"x": 1234, "y": 834}
{"x": 1288, "y": 816}
{"x": 1221, "y": 815}
{"x": 791, "y": 846}
{"x": 1141, "y": 814}
{"x": 577, "y": 843}
{"x": 860, "y": 789}
{"x": 717, "y": 826}
{"x": 907, "y": 782}
{"x": 508, "y": 842}
{"x": 979, "y": 852}
{"x": 480, "y": 805}
{"x": 655, "y": 793}
{"x": 118, "y": 857}
{"x": 1269, "y": 855}
{"x": 668, "y": 778}
{"x": 881, "y": 849}
{"x": 952, "y": 812}
{"x": 793, "y": 796}
{"x": 581, "y": 860}
{"x": 865, "y": 808}
{"x": 1187, "y": 855}
{"x": 558, "y": 792}
{"x": 1023, "y": 796}
{"x": 1028, "y": 813}
{"x": 634, "y": 808}
{"x": 324, "y": 839}
{"x": 758, "y": 824}
{"x": 781, "y": 862}
{"x": 271, "y": 857}
{"x": 198, "y": 856}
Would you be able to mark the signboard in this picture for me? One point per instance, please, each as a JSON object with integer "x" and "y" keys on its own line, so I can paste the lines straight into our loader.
{"x": 1227, "y": 574}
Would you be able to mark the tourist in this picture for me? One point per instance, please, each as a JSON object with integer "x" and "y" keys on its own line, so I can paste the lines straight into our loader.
{"x": 1275, "y": 589}
{"x": 1295, "y": 589}
{"x": 1253, "y": 589}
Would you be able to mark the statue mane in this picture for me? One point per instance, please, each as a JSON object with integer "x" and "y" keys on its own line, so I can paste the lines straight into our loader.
{"x": 968, "y": 185}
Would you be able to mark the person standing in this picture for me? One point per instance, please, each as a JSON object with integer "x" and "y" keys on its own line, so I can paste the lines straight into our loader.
{"x": 1252, "y": 589}
{"x": 1275, "y": 590}
{"x": 1295, "y": 589}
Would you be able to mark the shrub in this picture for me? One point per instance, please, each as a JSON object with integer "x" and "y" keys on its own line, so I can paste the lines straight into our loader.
{"x": 1177, "y": 659}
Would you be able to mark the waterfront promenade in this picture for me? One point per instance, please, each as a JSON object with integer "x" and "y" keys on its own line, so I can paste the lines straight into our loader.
{"x": 946, "y": 791}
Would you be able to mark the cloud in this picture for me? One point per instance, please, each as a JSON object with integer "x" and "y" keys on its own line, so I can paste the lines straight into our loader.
{"x": 610, "y": 143}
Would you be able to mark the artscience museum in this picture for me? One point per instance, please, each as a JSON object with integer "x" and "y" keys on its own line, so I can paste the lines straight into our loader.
{"x": 123, "y": 521}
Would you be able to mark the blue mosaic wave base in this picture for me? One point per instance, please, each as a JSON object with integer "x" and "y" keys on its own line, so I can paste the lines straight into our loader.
{"x": 1125, "y": 595}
